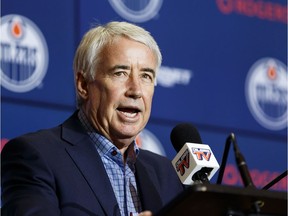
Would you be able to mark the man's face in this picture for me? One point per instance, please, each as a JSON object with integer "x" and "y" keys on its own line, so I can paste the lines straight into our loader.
{"x": 119, "y": 99}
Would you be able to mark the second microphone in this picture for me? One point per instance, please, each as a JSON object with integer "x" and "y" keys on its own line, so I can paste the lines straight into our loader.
{"x": 194, "y": 162}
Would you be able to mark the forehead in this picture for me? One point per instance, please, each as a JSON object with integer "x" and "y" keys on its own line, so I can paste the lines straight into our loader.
{"x": 127, "y": 48}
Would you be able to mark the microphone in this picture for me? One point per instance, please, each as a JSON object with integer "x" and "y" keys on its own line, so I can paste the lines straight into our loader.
{"x": 241, "y": 163}
{"x": 194, "y": 162}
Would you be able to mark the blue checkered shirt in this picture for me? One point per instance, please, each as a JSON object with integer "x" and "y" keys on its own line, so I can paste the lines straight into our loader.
{"x": 121, "y": 176}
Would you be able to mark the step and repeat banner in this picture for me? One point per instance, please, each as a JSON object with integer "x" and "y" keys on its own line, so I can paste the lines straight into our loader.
{"x": 224, "y": 70}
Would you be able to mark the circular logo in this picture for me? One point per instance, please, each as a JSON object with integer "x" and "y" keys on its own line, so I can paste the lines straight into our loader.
{"x": 136, "y": 10}
{"x": 266, "y": 93}
{"x": 148, "y": 141}
{"x": 24, "y": 54}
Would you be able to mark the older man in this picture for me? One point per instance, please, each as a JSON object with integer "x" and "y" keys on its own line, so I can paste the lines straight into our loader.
{"x": 90, "y": 164}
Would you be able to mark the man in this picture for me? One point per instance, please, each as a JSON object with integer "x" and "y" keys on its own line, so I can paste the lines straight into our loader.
{"x": 90, "y": 164}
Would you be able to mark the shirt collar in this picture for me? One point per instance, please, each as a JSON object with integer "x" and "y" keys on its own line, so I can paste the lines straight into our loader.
{"x": 103, "y": 145}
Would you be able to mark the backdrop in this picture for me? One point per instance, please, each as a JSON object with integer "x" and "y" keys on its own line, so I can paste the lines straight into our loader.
{"x": 224, "y": 70}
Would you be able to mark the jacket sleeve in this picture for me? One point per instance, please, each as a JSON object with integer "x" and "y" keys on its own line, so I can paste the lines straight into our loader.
{"x": 28, "y": 186}
{"x": 157, "y": 181}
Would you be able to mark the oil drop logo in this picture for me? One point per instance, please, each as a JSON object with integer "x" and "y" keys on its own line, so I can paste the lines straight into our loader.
{"x": 266, "y": 93}
{"x": 24, "y": 54}
{"x": 137, "y": 10}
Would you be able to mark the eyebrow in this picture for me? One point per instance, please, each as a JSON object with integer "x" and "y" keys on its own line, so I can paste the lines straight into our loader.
{"x": 125, "y": 67}
{"x": 149, "y": 70}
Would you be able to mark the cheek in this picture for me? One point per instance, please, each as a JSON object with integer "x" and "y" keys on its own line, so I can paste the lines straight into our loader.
{"x": 109, "y": 97}
{"x": 150, "y": 92}
{"x": 148, "y": 98}
{"x": 95, "y": 97}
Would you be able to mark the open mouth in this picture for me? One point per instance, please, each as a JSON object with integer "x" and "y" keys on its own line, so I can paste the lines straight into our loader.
{"x": 129, "y": 112}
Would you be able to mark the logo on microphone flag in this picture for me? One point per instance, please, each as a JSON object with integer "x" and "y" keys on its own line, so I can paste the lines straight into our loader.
{"x": 183, "y": 163}
{"x": 191, "y": 158}
{"x": 202, "y": 153}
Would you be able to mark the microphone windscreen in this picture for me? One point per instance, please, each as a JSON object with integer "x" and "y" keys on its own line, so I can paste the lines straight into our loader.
{"x": 183, "y": 133}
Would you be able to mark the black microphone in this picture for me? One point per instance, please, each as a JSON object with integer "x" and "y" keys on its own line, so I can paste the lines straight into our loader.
{"x": 241, "y": 163}
{"x": 183, "y": 133}
{"x": 194, "y": 161}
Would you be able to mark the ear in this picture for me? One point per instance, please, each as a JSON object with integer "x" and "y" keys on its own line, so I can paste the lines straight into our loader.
{"x": 81, "y": 85}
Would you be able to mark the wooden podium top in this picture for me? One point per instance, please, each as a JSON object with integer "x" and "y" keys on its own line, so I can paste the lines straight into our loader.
{"x": 214, "y": 200}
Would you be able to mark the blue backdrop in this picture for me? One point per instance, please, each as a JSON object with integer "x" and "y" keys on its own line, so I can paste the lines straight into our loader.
{"x": 224, "y": 70}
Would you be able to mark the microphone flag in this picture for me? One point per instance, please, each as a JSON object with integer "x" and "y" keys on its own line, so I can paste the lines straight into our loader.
{"x": 192, "y": 158}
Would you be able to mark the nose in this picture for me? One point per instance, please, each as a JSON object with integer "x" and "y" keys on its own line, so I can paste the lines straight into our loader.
{"x": 134, "y": 87}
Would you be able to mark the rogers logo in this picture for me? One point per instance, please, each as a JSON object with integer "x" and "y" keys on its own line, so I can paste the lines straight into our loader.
{"x": 168, "y": 77}
{"x": 3, "y": 142}
{"x": 251, "y": 8}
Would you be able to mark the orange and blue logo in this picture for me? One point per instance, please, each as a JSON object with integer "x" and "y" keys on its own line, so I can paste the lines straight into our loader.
{"x": 201, "y": 153}
{"x": 148, "y": 141}
{"x": 266, "y": 93}
{"x": 24, "y": 54}
{"x": 137, "y": 10}
{"x": 183, "y": 163}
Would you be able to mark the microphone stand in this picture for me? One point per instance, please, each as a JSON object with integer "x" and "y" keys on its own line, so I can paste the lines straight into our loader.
{"x": 229, "y": 139}
{"x": 224, "y": 158}
{"x": 274, "y": 181}
{"x": 240, "y": 160}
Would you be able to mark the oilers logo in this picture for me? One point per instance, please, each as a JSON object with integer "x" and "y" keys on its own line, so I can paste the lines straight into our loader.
{"x": 266, "y": 93}
{"x": 24, "y": 54}
{"x": 136, "y": 10}
{"x": 148, "y": 141}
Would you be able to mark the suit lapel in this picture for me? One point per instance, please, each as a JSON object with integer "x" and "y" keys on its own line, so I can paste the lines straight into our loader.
{"x": 146, "y": 182}
{"x": 88, "y": 161}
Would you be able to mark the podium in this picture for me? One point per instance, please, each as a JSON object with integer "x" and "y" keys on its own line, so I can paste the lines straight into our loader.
{"x": 221, "y": 200}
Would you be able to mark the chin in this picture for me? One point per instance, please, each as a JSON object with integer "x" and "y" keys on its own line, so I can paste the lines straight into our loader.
{"x": 129, "y": 132}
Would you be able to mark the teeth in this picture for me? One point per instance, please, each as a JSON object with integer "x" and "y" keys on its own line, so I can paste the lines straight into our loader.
{"x": 128, "y": 114}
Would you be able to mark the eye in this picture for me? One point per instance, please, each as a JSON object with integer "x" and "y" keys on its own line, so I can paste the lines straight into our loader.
{"x": 147, "y": 77}
{"x": 120, "y": 73}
